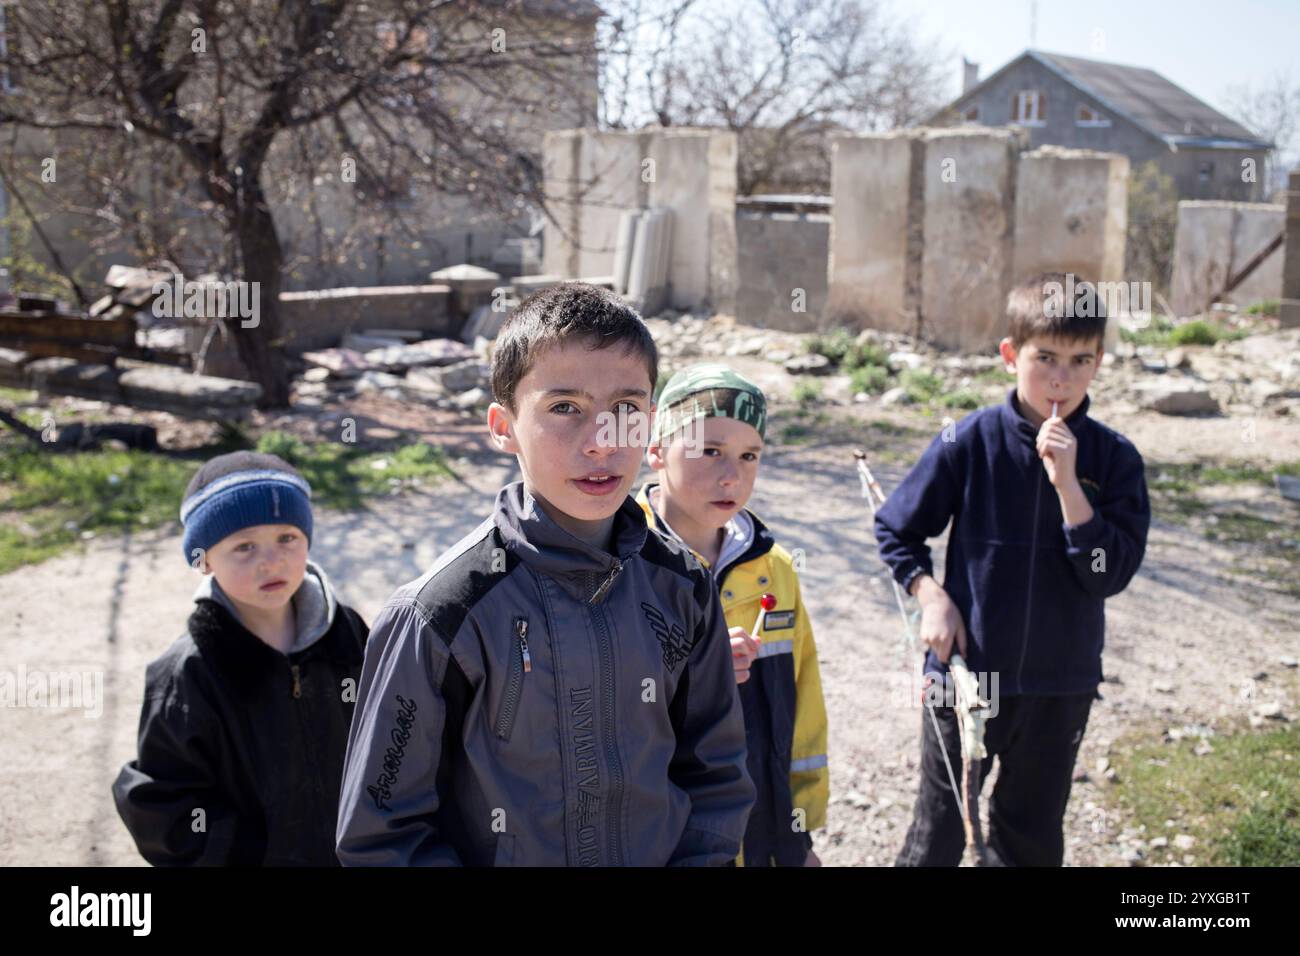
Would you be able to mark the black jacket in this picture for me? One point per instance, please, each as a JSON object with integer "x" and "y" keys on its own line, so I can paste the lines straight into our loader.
{"x": 241, "y": 746}
{"x": 1030, "y": 588}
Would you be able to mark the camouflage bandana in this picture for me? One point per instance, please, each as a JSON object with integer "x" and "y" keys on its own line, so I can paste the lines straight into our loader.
{"x": 691, "y": 395}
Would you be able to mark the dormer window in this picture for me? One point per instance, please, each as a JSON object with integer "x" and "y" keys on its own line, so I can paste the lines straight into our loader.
{"x": 1087, "y": 116}
{"x": 1029, "y": 108}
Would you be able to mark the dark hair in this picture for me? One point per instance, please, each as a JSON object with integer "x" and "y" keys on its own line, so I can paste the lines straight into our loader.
{"x": 1055, "y": 304}
{"x": 566, "y": 312}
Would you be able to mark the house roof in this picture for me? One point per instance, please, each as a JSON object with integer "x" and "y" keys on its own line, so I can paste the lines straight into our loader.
{"x": 1145, "y": 98}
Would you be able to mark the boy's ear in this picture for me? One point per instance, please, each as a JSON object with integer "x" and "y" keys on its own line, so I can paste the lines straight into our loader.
{"x": 501, "y": 429}
{"x": 1007, "y": 349}
{"x": 654, "y": 455}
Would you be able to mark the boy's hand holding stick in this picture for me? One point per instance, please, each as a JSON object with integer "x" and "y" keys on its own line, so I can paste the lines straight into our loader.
{"x": 941, "y": 626}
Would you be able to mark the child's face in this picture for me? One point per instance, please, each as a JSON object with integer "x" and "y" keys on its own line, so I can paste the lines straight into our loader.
{"x": 1050, "y": 369}
{"x": 580, "y": 427}
{"x": 260, "y": 567}
{"x": 715, "y": 481}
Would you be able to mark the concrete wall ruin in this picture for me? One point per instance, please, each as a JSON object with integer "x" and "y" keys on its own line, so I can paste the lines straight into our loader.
{"x": 591, "y": 177}
{"x": 1214, "y": 240}
{"x": 933, "y": 227}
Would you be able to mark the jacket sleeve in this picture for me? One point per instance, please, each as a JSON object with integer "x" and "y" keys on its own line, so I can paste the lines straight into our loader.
{"x": 395, "y": 747}
{"x": 1107, "y": 549}
{"x": 810, "y": 782}
{"x": 170, "y": 797}
{"x": 709, "y": 760}
{"x": 918, "y": 509}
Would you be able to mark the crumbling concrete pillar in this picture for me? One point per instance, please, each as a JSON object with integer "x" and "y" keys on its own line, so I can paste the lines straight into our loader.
{"x": 592, "y": 177}
{"x": 1071, "y": 213}
{"x": 1215, "y": 239}
{"x": 969, "y": 232}
{"x": 922, "y": 232}
{"x": 868, "y": 265}
{"x": 1291, "y": 263}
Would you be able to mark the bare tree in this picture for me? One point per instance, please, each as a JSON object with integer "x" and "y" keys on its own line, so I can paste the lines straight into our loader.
{"x": 1271, "y": 111}
{"x": 781, "y": 73}
{"x": 400, "y": 93}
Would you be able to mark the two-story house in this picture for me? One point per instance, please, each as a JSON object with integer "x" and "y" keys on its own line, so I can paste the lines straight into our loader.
{"x": 1088, "y": 104}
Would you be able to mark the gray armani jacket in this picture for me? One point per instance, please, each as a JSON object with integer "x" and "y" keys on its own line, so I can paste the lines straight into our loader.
{"x": 535, "y": 701}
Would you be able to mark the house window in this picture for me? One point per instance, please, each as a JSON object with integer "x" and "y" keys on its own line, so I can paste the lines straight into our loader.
{"x": 1088, "y": 116}
{"x": 971, "y": 115}
{"x": 1029, "y": 108}
{"x": 1207, "y": 171}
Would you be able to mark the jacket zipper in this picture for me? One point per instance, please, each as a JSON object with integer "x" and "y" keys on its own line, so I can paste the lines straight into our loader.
{"x": 609, "y": 580}
{"x": 521, "y": 663}
{"x": 613, "y": 813}
{"x": 297, "y": 686}
{"x": 1029, "y": 591}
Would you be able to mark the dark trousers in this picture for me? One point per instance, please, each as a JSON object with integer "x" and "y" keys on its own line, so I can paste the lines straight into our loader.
{"x": 1036, "y": 739}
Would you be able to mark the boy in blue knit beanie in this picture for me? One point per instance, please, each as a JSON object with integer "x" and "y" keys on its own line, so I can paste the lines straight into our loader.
{"x": 246, "y": 716}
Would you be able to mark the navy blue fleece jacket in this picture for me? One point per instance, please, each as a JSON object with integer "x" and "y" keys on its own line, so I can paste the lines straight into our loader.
{"x": 1030, "y": 588}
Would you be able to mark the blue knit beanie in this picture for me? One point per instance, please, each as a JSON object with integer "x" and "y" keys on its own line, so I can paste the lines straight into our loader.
{"x": 237, "y": 491}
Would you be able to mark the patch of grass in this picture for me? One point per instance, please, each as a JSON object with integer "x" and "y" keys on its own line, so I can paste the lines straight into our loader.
{"x": 842, "y": 347}
{"x": 963, "y": 398}
{"x": 341, "y": 475}
{"x": 807, "y": 391}
{"x": 871, "y": 379}
{"x": 1267, "y": 539}
{"x": 1240, "y": 527}
{"x": 48, "y": 500}
{"x": 1241, "y": 802}
{"x": 1155, "y": 332}
{"x": 922, "y": 387}
{"x": 808, "y": 424}
{"x": 834, "y": 344}
{"x": 1186, "y": 476}
{"x": 1163, "y": 331}
{"x": 1265, "y": 307}
{"x": 992, "y": 376}
{"x": 16, "y": 396}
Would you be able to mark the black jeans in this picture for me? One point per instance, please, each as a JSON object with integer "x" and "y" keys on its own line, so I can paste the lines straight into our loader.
{"x": 1036, "y": 739}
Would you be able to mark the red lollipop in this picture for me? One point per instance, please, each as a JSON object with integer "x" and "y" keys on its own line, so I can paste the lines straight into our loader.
{"x": 766, "y": 603}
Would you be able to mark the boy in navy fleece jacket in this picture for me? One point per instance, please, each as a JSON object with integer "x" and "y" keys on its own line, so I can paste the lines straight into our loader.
{"x": 1049, "y": 518}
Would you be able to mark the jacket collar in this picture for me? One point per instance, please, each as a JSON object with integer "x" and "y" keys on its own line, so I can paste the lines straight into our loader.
{"x": 579, "y": 567}
{"x": 757, "y": 539}
{"x": 314, "y": 605}
{"x": 241, "y": 657}
{"x": 1014, "y": 420}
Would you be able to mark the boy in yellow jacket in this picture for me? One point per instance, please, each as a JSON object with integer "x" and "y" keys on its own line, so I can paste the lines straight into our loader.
{"x": 707, "y": 442}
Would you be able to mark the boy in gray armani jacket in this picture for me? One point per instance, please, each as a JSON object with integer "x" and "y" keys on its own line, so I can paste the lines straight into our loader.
{"x": 557, "y": 689}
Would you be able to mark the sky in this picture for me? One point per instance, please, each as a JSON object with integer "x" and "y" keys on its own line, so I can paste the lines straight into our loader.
{"x": 1202, "y": 46}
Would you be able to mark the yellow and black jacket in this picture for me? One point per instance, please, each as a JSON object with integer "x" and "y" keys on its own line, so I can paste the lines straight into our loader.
{"x": 785, "y": 715}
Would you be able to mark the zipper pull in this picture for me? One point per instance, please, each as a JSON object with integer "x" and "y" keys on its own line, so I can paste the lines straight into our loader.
{"x": 521, "y": 626}
{"x": 297, "y": 687}
{"x": 604, "y": 587}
